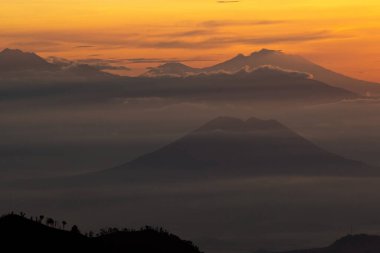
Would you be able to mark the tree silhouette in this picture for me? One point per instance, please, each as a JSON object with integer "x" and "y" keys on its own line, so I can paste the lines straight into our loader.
{"x": 41, "y": 218}
{"x": 75, "y": 229}
{"x": 50, "y": 222}
{"x": 64, "y": 224}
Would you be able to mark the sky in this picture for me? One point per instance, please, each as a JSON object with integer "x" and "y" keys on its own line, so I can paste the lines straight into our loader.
{"x": 342, "y": 35}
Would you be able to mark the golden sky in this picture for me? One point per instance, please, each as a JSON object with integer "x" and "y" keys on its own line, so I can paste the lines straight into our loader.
{"x": 343, "y": 35}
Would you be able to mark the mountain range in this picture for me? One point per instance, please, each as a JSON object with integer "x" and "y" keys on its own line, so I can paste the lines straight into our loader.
{"x": 273, "y": 58}
{"x": 265, "y": 84}
{"x": 24, "y": 75}
{"x": 14, "y": 61}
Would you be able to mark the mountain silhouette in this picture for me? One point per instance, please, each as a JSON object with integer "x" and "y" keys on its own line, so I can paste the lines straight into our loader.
{"x": 349, "y": 244}
{"x": 18, "y": 65}
{"x": 264, "y": 84}
{"x": 286, "y": 61}
{"x": 232, "y": 147}
{"x": 17, "y": 60}
{"x": 19, "y": 234}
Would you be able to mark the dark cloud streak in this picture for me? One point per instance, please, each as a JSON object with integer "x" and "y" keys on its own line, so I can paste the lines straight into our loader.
{"x": 216, "y": 42}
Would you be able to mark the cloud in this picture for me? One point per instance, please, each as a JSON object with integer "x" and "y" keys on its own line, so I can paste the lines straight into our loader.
{"x": 165, "y": 60}
{"x": 216, "y": 42}
{"x": 110, "y": 67}
{"x": 104, "y": 64}
{"x": 218, "y": 23}
{"x": 206, "y": 38}
{"x": 100, "y": 64}
{"x": 84, "y": 46}
{"x": 189, "y": 33}
{"x": 227, "y": 2}
{"x": 273, "y": 70}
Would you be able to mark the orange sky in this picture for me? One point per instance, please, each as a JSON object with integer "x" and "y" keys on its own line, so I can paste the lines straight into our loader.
{"x": 343, "y": 35}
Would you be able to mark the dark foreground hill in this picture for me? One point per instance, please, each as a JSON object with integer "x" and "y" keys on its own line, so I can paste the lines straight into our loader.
{"x": 19, "y": 234}
{"x": 349, "y": 244}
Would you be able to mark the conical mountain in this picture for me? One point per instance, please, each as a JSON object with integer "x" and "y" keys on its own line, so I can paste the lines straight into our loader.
{"x": 229, "y": 146}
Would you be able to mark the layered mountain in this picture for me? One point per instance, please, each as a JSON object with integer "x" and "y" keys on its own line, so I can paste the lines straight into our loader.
{"x": 232, "y": 147}
{"x": 285, "y": 61}
{"x": 19, "y": 234}
{"x": 265, "y": 84}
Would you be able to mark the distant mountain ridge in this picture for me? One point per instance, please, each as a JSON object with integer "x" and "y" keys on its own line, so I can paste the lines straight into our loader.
{"x": 33, "y": 66}
{"x": 18, "y": 65}
{"x": 263, "y": 84}
{"x": 266, "y": 84}
{"x": 278, "y": 59}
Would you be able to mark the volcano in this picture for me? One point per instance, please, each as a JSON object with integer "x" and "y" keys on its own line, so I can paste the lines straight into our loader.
{"x": 232, "y": 147}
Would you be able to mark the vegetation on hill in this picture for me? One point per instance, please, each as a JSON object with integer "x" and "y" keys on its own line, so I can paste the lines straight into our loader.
{"x": 40, "y": 234}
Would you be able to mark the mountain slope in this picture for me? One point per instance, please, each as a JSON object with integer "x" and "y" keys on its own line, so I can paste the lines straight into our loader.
{"x": 16, "y": 60}
{"x": 294, "y": 62}
{"x": 265, "y": 84}
{"x": 349, "y": 244}
{"x": 17, "y": 65}
{"x": 284, "y": 61}
{"x": 23, "y": 235}
{"x": 233, "y": 147}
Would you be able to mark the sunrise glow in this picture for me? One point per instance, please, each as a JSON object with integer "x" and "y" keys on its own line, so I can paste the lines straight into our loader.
{"x": 338, "y": 34}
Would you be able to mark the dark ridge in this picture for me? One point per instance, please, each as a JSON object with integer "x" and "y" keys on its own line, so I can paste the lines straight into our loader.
{"x": 349, "y": 244}
{"x": 19, "y": 234}
{"x": 358, "y": 242}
